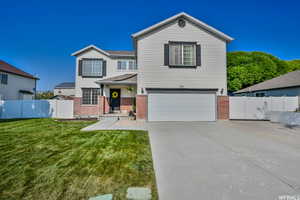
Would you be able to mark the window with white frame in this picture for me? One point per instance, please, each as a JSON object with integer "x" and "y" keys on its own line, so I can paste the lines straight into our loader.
{"x": 92, "y": 67}
{"x": 124, "y": 65}
{"x": 182, "y": 54}
{"x": 90, "y": 96}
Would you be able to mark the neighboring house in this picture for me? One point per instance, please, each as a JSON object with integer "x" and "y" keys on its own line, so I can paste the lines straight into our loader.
{"x": 65, "y": 89}
{"x": 284, "y": 85}
{"x": 16, "y": 84}
{"x": 62, "y": 97}
{"x": 176, "y": 72}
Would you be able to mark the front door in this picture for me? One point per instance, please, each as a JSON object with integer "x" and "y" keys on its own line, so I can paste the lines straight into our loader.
{"x": 115, "y": 98}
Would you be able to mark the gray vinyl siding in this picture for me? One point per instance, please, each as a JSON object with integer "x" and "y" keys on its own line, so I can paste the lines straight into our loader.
{"x": 150, "y": 59}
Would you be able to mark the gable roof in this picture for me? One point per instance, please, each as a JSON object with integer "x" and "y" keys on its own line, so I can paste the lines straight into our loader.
{"x": 109, "y": 53}
{"x": 66, "y": 85}
{"x": 291, "y": 79}
{"x": 76, "y": 53}
{"x": 189, "y": 18}
{"x": 5, "y": 67}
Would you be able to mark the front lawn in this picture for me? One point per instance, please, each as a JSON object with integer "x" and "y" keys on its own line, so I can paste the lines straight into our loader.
{"x": 47, "y": 159}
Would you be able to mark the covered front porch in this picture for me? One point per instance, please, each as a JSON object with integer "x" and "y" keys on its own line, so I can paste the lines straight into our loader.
{"x": 118, "y": 95}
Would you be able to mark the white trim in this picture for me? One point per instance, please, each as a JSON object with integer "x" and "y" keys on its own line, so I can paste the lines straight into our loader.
{"x": 90, "y": 47}
{"x": 192, "y": 19}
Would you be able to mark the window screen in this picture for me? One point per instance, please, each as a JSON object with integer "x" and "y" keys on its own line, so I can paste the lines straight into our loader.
{"x": 90, "y": 95}
{"x": 127, "y": 65}
{"x": 92, "y": 67}
{"x": 181, "y": 54}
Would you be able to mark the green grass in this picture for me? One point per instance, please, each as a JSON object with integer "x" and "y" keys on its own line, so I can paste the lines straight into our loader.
{"x": 48, "y": 159}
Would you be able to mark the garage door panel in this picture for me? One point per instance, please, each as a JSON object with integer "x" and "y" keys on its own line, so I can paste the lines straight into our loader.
{"x": 181, "y": 107}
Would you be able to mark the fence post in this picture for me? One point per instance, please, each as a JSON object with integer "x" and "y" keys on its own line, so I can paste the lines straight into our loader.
{"x": 1, "y": 108}
{"x": 56, "y": 108}
{"x": 21, "y": 109}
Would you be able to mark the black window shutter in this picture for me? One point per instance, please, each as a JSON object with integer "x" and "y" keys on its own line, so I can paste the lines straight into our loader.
{"x": 80, "y": 68}
{"x": 198, "y": 55}
{"x": 166, "y": 52}
{"x": 104, "y": 68}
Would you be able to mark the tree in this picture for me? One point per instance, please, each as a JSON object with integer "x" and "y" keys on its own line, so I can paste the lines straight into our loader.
{"x": 248, "y": 68}
{"x": 293, "y": 65}
{"x": 44, "y": 95}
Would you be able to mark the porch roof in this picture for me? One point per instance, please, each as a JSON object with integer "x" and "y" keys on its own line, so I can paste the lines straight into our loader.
{"x": 125, "y": 79}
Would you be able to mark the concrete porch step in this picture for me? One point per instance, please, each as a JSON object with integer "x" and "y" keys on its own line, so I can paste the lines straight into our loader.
{"x": 115, "y": 117}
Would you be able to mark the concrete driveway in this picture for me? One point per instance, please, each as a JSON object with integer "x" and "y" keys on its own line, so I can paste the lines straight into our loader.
{"x": 225, "y": 160}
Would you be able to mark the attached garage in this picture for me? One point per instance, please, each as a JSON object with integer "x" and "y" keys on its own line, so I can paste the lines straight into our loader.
{"x": 181, "y": 105}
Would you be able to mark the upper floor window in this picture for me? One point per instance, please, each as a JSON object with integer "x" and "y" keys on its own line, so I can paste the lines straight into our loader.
{"x": 3, "y": 79}
{"x": 182, "y": 54}
{"x": 127, "y": 65}
{"x": 92, "y": 67}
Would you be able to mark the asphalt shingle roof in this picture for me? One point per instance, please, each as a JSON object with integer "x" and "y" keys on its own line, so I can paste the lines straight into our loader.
{"x": 5, "y": 67}
{"x": 291, "y": 79}
{"x": 125, "y": 78}
{"x": 66, "y": 85}
{"x": 120, "y": 53}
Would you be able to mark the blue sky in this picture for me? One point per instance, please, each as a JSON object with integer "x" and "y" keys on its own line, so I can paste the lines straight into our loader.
{"x": 39, "y": 36}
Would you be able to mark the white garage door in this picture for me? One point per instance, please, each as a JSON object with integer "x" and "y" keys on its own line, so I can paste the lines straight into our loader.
{"x": 181, "y": 107}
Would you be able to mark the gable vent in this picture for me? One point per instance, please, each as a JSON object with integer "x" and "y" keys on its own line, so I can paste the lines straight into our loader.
{"x": 181, "y": 23}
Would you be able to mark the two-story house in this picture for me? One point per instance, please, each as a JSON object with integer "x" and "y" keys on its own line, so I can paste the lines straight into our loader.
{"x": 175, "y": 73}
{"x": 15, "y": 84}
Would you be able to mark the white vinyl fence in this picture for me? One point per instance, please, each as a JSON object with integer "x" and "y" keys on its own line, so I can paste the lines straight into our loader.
{"x": 259, "y": 108}
{"x": 36, "y": 109}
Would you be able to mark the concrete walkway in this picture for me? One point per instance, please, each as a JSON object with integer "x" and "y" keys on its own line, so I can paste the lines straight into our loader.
{"x": 116, "y": 125}
{"x": 225, "y": 160}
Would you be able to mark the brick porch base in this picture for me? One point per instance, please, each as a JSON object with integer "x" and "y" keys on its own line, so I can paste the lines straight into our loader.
{"x": 102, "y": 107}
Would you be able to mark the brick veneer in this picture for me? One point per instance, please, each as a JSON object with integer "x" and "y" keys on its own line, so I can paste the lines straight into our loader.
{"x": 141, "y": 107}
{"x": 127, "y": 103}
{"x": 223, "y": 107}
{"x": 101, "y": 108}
{"x": 87, "y": 110}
